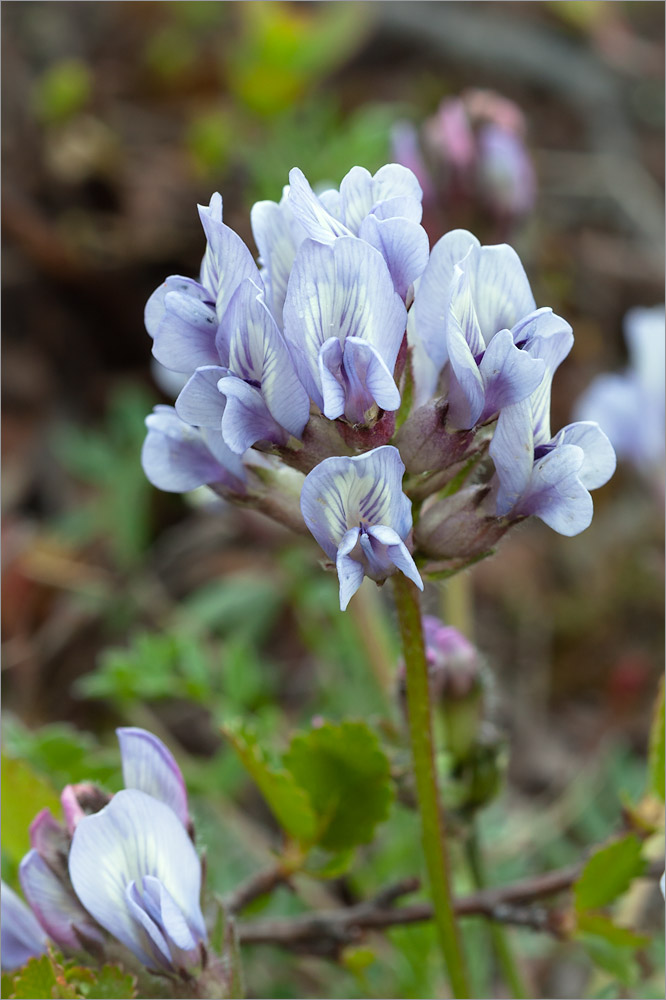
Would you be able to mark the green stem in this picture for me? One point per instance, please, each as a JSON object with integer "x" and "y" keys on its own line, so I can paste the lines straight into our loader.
{"x": 503, "y": 954}
{"x": 433, "y": 830}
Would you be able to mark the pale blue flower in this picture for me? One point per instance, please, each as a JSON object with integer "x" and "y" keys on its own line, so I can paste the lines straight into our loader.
{"x": 21, "y": 937}
{"x": 356, "y": 510}
{"x": 629, "y": 406}
{"x": 549, "y": 480}
{"x": 135, "y": 869}
{"x": 177, "y": 457}
{"x": 344, "y": 324}
{"x": 149, "y": 766}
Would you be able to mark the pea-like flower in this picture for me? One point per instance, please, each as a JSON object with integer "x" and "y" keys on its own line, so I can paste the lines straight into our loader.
{"x": 548, "y": 479}
{"x": 178, "y": 457}
{"x": 345, "y": 324}
{"x": 135, "y": 869}
{"x": 149, "y": 766}
{"x": 629, "y": 405}
{"x": 356, "y": 510}
{"x": 466, "y": 307}
{"x": 21, "y": 937}
{"x": 384, "y": 210}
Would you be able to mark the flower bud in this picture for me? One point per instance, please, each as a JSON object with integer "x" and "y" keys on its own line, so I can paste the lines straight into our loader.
{"x": 81, "y": 800}
{"x": 425, "y": 443}
{"x": 456, "y": 527}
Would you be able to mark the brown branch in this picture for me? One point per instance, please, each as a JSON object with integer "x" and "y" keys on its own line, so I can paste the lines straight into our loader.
{"x": 326, "y": 932}
{"x": 255, "y": 886}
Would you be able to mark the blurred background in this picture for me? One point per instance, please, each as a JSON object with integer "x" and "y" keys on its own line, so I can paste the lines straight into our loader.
{"x": 540, "y": 124}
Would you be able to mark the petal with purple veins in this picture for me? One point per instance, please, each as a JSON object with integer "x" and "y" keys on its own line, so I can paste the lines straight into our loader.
{"x": 151, "y": 767}
{"x": 403, "y": 245}
{"x": 200, "y": 402}
{"x": 134, "y": 836}
{"x": 177, "y": 457}
{"x": 247, "y": 418}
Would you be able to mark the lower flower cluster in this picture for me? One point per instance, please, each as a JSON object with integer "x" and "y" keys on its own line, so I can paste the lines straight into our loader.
{"x": 121, "y": 869}
{"x": 394, "y": 400}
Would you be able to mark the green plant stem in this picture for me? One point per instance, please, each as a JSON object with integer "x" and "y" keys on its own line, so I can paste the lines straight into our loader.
{"x": 433, "y": 830}
{"x": 505, "y": 959}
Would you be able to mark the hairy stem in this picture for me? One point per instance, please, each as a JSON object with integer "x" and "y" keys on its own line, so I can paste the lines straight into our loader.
{"x": 433, "y": 831}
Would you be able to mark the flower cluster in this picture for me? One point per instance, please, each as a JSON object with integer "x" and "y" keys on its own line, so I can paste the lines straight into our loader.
{"x": 471, "y": 151}
{"x": 122, "y": 865}
{"x": 351, "y": 354}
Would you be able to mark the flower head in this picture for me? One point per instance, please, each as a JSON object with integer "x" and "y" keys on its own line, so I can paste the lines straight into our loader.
{"x": 135, "y": 869}
{"x": 356, "y": 510}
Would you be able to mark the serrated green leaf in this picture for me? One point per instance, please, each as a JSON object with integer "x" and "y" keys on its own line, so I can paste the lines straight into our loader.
{"x": 657, "y": 752}
{"x": 288, "y": 803}
{"x": 42, "y": 978}
{"x": 608, "y": 873}
{"x": 24, "y": 794}
{"x": 347, "y": 777}
{"x": 109, "y": 983}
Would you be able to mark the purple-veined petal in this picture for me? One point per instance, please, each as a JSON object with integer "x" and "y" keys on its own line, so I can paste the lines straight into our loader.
{"x": 598, "y": 454}
{"x": 350, "y": 571}
{"x": 200, "y": 402}
{"x": 340, "y": 493}
{"x": 246, "y": 418}
{"x": 556, "y": 494}
{"x": 177, "y": 457}
{"x": 258, "y": 354}
{"x": 185, "y": 337}
{"x": 151, "y": 767}
{"x": 466, "y": 391}
{"x": 397, "y": 552}
{"x": 361, "y": 193}
{"x": 134, "y": 836}
{"x": 278, "y": 236}
{"x": 403, "y": 245}
{"x": 512, "y": 451}
{"x": 227, "y": 260}
{"x": 155, "y": 309}
{"x": 56, "y": 907}
{"x": 547, "y": 336}
{"x": 317, "y": 222}
{"x": 500, "y": 289}
{"x": 152, "y": 942}
{"x": 407, "y": 209}
{"x": 368, "y": 380}
{"x": 331, "y": 380}
{"x": 509, "y": 374}
{"x": 21, "y": 937}
{"x": 342, "y": 290}
{"x": 431, "y": 300}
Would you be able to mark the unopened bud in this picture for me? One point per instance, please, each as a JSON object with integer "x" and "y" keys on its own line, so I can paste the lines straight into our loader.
{"x": 82, "y": 800}
{"x": 457, "y": 526}
{"x": 427, "y": 444}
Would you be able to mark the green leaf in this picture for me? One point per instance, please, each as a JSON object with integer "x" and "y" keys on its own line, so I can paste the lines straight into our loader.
{"x": 608, "y": 873}
{"x": 347, "y": 777}
{"x": 656, "y": 756}
{"x": 602, "y": 926}
{"x": 619, "y": 962}
{"x": 24, "y": 794}
{"x": 288, "y": 803}
{"x": 324, "y": 864}
{"x": 109, "y": 983}
{"x": 41, "y": 978}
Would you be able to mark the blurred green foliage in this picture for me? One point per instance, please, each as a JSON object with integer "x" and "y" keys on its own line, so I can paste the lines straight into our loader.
{"x": 108, "y": 460}
{"x": 62, "y": 91}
